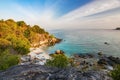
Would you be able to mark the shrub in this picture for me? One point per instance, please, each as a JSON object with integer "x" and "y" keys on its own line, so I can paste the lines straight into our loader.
{"x": 7, "y": 60}
{"x": 59, "y": 60}
{"x": 115, "y": 74}
{"x": 37, "y": 29}
{"x": 21, "y": 23}
{"x": 27, "y": 33}
{"x": 4, "y": 43}
{"x": 21, "y": 45}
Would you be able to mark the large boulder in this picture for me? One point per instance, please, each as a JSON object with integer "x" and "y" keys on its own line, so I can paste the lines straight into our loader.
{"x": 59, "y": 52}
{"x": 37, "y": 72}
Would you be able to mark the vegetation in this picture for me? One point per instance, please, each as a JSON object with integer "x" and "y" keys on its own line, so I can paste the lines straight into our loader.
{"x": 115, "y": 74}
{"x": 16, "y": 39}
{"x": 59, "y": 60}
{"x": 7, "y": 60}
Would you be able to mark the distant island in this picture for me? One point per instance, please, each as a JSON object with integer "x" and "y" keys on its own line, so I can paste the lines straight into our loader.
{"x": 118, "y": 28}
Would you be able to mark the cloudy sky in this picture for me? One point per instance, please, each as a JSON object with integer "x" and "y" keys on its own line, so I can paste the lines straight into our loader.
{"x": 64, "y": 14}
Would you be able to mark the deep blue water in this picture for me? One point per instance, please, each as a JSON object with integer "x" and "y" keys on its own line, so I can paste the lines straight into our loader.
{"x": 87, "y": 41}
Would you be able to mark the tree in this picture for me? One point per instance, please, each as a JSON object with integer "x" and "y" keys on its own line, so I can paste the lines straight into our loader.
{"x": 21, "y": 23}
{"x": 4, "y": 43}
{"x": 27, "y": 33}
{"x": 37, "y": 29}
{"x": 21, "y": 45}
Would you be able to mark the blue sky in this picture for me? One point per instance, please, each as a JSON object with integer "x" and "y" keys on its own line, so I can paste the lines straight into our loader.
{"x": 57, "y": 14}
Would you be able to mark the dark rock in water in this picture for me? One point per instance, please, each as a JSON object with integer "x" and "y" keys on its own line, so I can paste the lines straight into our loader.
{"x": 117, "y": 28}
{"x": 58, "y": 40}
{"x": 106, "y": 43}
{"x": 100, "y": 53}
{"x": 37, "y": 72}
{"x": 84, "y": 55}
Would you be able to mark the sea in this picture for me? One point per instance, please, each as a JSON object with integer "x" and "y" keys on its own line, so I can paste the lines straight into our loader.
{"x": 82, "y": 41}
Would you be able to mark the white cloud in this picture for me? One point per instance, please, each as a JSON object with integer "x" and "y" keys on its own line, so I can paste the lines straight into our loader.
{"x": 75, "y": 18}
{"x": 94, "y": 7}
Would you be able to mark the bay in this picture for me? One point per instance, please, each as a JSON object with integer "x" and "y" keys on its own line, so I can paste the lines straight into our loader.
{"x": 87, "y": 41}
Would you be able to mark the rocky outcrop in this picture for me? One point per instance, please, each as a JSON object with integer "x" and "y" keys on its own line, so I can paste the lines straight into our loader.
{"x": 98, "y": 61}
{"x": 59, "y": 52}
{"x": 110, "y": 60}
{"x": 53, "y": 41}
{"x": 37, "y": 72}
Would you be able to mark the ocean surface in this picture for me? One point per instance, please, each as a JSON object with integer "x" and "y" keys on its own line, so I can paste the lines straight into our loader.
{"x": 83, "y": 41}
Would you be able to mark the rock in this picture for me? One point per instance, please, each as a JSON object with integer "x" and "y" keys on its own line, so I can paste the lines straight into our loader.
{"x": 106, "y": 43}
{"x": 25, "y": 58}
{"x": 102, "y": 62}
{"x": 53, "y": 41}
{"x": 114, "y": 59}
{"x": 38, "y": 72}
{"x": 109, "y": 60}
{"x": 58, "y": 40}
{"x": 90, "y": 55}
{"x": 84, "y": 55}
{"x": 100, "y": 53}
{"x": 118, "y": 28}
{"x": 106, "y": 61}
{"x": 59, "y": 52}
{"x": 109, "y": 67}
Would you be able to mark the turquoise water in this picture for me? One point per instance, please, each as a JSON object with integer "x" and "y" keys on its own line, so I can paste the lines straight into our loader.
{"x": 87, "y": 41}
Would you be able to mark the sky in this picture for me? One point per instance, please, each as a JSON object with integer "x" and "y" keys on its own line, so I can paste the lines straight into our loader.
{"x": 63, "y": 14}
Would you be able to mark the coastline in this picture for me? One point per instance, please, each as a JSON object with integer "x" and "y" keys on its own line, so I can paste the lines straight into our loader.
{"x": 38, "y": 55}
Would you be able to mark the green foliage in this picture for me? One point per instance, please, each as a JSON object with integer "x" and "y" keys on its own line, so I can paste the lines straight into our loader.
{"x": 21, "y": 23}
{"x": 37, "y": 29}
{"x": 52, "y": 36}
{"x": 21, "y": 45}
{"x": 59, "y": 60}
{"x": 115, "y": 74}
{"x": 7, "y": 60}
{"x": 4, "y": 43}
{"x": 27, "y": 33}
{"x": 17, "y": 37}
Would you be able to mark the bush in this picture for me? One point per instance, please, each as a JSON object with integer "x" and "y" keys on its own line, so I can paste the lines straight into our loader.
{"x": 4, "y": 43}
{"x": 59, "y": 60}
{"x": 115, "y": 74}
{"x": 21, "y": 23}
{"x": 7, "y": 60}
{"x": 21, "y": 45}
{"x": 27, "y": 33}
{"x": 37, "y": 29}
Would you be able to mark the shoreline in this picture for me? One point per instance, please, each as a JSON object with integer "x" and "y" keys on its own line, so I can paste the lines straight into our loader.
{"x": 35, "y": 56}
{"x": 38, "y": 55}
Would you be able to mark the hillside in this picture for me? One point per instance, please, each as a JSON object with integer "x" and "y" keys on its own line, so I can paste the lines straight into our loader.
{"x": 16, "y": 38}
